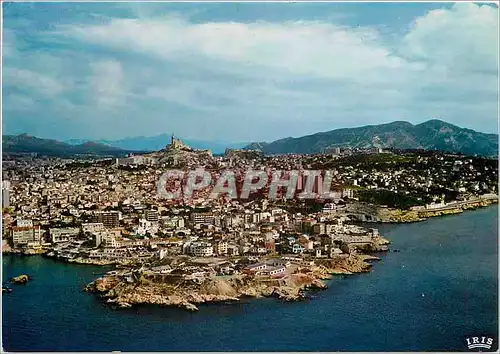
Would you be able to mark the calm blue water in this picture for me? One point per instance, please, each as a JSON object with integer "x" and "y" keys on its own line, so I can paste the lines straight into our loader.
{"x": 440, "y": 287}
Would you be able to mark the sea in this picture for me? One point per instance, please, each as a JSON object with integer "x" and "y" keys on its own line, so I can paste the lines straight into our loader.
{"x": 441, "y": 287}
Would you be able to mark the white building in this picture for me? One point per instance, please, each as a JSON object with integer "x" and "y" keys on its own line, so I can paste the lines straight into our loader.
{"x": 151, "y": 215}
{"x": 5, "y": 194}
{"x": 145, "y": 227}
{"x": 220, "y": 247}
{"x": 63, "y": 234}
{"x": 93, "y": 227}
{"x": 203, "y": 218}
{"x": 176, "y": 222}
{"x": 329, "y": 208}
{"x": 24, "y": 223}
{"x": 24, "y": 235}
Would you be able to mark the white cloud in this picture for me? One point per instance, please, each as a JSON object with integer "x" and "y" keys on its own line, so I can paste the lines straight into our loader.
{"x": 464, "y": 37}
{"x": 310, "y": 48}
{"x": 45, "y": 85}
{"x": 107, "y": 82}
{"x": 265, "y": 80}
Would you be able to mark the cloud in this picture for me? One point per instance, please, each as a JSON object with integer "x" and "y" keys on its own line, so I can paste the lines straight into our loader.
{"x": 299, "y": 47}
{"x": 19, "y": 102}
{"x": 8, "y": 44}
{"x": 464, "y": 37}
{"x": 107, "y": 82}
{"x": 45, "y": 85}
{"x": 256, "y": 80}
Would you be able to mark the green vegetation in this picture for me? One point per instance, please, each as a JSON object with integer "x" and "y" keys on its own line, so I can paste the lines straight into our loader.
{"x": 389, "y": 198}
{"x": 380, "y": 162}
{"x": 7, "y": 210}
{"x": 431, "y": 135}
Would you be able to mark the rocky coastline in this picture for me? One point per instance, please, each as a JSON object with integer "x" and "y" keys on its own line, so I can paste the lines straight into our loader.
{"x": 124, "y": 292}
{"x": 380, "y": 214}
{"x": 82, "y": 260}
{"x": 23, "y": 252}
{"x": 405, "y": 216}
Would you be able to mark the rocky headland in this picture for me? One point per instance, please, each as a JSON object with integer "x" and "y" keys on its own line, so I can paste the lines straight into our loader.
{"x": 134, "y": 289}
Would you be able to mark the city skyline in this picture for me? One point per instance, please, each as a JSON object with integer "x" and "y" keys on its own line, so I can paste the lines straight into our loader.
{"x": 245, "y": 72}
{"x": 249, "y": 176}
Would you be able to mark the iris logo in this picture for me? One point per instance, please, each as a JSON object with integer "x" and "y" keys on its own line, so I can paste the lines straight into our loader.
{"x": 479, "y": 342}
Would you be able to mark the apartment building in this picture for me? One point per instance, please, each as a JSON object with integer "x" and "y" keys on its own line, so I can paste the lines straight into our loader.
{"x": 110, "y": 219}
{"x": 24, "y": 235}
{"x": 63, "y": 234}
{"x": 151, "y": 215}
{"x": 203, "y": 218}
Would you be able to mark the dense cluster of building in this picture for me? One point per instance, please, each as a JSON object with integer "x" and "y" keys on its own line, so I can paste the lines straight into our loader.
{"x": 100, "y": 211}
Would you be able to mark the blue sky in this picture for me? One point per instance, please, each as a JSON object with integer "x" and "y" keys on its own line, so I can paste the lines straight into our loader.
{"x": 245, "y": 71}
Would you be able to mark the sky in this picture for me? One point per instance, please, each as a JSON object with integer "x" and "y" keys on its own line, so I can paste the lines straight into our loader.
{"x": 243, "y": 72}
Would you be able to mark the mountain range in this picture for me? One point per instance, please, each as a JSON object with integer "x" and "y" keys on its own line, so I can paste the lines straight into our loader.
{"x": 155, "y": 143}
{"x": 24, "y": 143}
{"x": 430, "y": 135}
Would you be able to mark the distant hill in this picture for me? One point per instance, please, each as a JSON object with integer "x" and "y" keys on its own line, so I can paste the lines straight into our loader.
{"x": 158, "y": 142}
{"x": 431, "y": 135}
{"x": 29, "y": 144}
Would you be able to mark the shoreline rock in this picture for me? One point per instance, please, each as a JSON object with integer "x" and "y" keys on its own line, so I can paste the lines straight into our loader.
{"x": 378, "y": 214}
{"x": 6, "y": 289}
{"x": 80, "y": 260}
{"x": 20, "y": 279}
